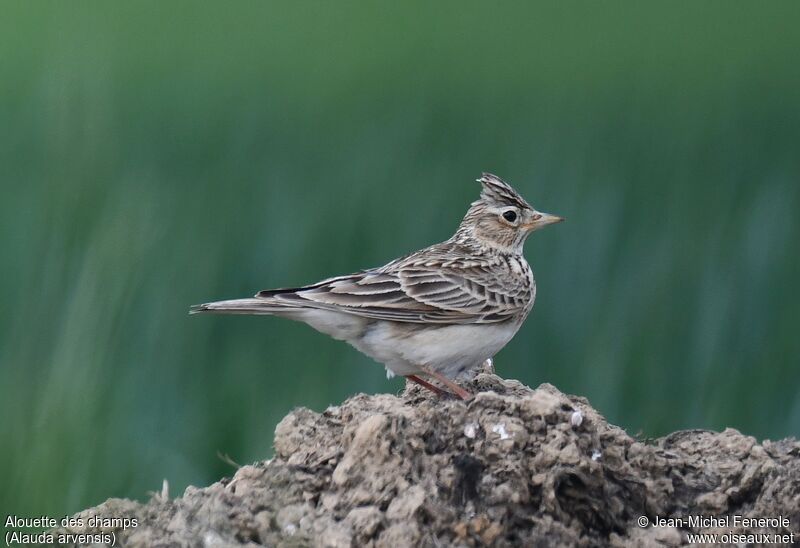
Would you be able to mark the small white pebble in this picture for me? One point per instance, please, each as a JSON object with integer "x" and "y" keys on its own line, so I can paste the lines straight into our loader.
{"x": 576, "y": 419}
{"x": 390, "y": 374}
{"x": 470, "y": 429}
{"x": 501, "y": 430}
{"x": 596, "y": 455}
{"x": 212, "y": 539}
{"x": 290, "y": 529}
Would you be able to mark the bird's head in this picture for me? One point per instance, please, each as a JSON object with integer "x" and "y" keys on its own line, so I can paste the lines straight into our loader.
{"x": 501, "y": 218}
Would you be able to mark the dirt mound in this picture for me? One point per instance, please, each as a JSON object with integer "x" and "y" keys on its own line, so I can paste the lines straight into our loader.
{"x": 512, "y": 467}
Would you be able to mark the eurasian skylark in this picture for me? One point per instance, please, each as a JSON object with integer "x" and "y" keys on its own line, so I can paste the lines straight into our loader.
{"x": 437, "y": 312}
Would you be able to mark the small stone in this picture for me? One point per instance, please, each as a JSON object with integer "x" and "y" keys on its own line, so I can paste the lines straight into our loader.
{"x": 406, "y": 505}
{"x": 460, "y": 530}
{"x": 399, "y": 534}
{"x": 289, "y": 517}
{"x": 363, "y": 440}
{"x": 500, "y": 429}
{"x": 491, "y": 533}
{"x": 365, "y": 520}
{"x": 337, "y": 535}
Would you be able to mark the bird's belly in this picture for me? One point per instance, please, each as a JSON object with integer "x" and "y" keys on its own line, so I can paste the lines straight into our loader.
{"x": 407, "y": 348}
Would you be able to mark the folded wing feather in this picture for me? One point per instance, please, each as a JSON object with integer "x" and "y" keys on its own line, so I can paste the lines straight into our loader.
{"x": 412, "y": 293}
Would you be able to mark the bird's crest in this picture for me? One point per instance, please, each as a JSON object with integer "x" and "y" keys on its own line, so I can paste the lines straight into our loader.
{"x": 497, "y": 192}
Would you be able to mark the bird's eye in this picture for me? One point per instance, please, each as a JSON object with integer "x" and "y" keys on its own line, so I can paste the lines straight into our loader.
{"x": 510, "y": 216}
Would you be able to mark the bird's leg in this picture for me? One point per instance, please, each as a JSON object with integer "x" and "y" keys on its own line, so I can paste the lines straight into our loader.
{"x": 435, "y": 389}
{"x": 457, "y": 390}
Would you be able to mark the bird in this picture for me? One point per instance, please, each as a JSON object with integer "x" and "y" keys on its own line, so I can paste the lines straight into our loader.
{"x": 431, "y": 315}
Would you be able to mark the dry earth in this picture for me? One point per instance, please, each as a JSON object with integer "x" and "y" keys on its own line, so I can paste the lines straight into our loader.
{"x": 512, "y": 467}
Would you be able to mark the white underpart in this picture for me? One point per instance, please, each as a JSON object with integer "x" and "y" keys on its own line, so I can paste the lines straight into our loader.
{"x": 405, "y": 350}
{"x": 576, "y": 419}
{"x": 448, "y": 349}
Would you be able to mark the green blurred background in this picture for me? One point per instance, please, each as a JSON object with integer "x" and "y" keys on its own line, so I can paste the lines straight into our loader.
{"x": 158, "y": 155}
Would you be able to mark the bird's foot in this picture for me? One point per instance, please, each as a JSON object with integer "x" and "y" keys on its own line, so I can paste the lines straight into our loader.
{"x": 433, "y": 388}
{"x": 455, "y": 388}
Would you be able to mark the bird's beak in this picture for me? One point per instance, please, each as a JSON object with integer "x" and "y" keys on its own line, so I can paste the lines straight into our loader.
{"x": 540, "y": 219}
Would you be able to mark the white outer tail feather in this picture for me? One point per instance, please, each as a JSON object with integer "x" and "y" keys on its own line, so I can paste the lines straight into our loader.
{"x": 241, "y": 306}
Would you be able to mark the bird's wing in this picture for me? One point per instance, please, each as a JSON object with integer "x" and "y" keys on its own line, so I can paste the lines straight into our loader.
{"x": 436, "y": 290}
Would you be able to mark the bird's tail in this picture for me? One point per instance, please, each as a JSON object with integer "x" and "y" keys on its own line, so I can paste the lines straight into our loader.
{"x": 242, "y": 306}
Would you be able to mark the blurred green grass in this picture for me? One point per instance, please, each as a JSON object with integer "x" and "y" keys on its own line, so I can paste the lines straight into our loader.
{"x": 159, "y": 155}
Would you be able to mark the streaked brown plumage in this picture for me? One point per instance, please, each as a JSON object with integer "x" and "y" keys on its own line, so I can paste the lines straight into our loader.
{"x": 436, "y": 312}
